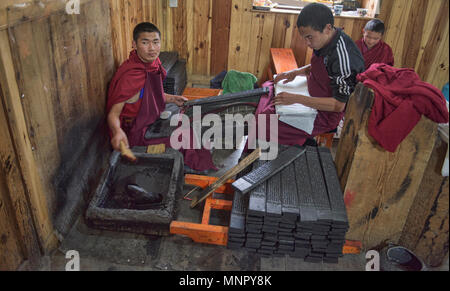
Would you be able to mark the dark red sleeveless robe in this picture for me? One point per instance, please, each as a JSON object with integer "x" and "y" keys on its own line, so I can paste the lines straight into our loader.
{"x": 380, "y": 53}
{"x": 319, "y": 86}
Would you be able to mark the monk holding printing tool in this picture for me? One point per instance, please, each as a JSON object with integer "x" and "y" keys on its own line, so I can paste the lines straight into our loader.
{"x": 373, "y": 48}
{"x": 136, "y": 98}
{"x": 331, "y": 78}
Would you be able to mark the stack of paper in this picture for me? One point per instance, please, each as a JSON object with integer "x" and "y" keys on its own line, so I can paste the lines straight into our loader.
{"x": 296, "y": 115}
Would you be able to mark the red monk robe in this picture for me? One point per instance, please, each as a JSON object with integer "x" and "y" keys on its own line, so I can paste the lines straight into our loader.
{"x": 319, "y": 85}
{"x": 380, "y": 53}
{"x": 131, "y": 77}
{"x": 401, "y": 98}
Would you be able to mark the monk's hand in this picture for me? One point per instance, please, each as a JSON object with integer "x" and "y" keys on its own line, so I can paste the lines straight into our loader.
{"x": 287, "y": 76}
{"x": 178, "y": 100}
{"x": 117, "y": 137}
{"x": 285, "y": 98}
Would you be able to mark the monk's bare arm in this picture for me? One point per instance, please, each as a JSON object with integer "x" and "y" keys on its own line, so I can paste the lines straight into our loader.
{"x": 323, "y": 104}
{"x": 178, "y": 100}
{"x": 118, "y": 134}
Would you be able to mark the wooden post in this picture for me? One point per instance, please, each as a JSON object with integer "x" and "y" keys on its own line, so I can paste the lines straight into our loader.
{"x": 380, "y": 187}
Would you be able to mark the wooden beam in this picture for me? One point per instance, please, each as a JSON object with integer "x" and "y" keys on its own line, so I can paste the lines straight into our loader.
{"x": 22, "y": 144}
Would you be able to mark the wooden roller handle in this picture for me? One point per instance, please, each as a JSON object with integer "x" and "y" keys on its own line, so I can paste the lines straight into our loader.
{"x": 126, "y": 152}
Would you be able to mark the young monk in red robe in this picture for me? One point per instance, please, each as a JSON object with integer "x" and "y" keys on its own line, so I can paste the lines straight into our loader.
{"x": 136, "y": 97}
{"x": 331, "y": 78}
{"x": 373, "y": 48}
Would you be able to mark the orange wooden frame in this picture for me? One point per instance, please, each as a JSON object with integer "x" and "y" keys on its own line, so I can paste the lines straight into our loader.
{"x": 218, "y": 235}
{"x": 204, "y": 232}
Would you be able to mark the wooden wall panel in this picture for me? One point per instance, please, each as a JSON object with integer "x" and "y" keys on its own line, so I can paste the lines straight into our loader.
{"x": 418, "y": 33}
{"x": 61, "y": 65}
{"x": 221, "y": 17}
{"x": 18, "y": 227}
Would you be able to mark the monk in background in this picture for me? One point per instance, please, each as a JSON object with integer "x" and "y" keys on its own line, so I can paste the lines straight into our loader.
{"x": 373, "y": 48}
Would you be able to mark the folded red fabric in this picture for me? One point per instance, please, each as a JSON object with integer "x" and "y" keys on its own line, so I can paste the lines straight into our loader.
{"x": 401, "y": 98}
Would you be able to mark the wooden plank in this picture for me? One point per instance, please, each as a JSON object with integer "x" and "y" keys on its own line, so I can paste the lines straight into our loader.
{"x": 126, "y": 29}
{"x": 117, "y": 33}
{"x": 200, "y": 39}
{"x": 398, "y": 29}
{"x": 235, "y": 29}
{"x": 179, "y": 30}
{"x": 291, "y": 26}
{"x": 436, "y": 39}
{"x": 357, "y": 115}
{"x": 190, "y": 36}
{"x": 21, "y": 217}
{"x": 266, "y": 41}
{"x": 11, "y": 253}
{"x": 255, "y": 45}
{"x": 439, "y": 76}
{"x": 413, "y": 38}
{"x": 244, "y": 59}
{"x": 432, "y": 246}
{"x": 426, "y": 228}
{"x": 279, "y": 30}
{"x": 380, "y": 205}
{"x": 22, "y": 144}
{"x": 220, "y": 35}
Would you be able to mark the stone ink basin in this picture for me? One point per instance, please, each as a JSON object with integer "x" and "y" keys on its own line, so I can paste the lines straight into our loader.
{"x": 162, "y": 173}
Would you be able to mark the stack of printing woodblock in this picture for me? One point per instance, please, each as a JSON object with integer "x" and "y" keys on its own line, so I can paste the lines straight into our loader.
{"x": 292, "y": 205}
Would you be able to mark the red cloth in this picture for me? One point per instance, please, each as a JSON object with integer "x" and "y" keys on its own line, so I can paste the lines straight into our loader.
{"x": 129, "y": 80}
{"x": 401, "y": 98}
{"x": 318, "y": 86}
{"x": 380, "y": 53}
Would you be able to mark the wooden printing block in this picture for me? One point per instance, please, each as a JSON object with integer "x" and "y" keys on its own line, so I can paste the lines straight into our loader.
{"x": 254, "y": 235}
{"x": 257, "y": 200}
{"x": 308, "y": 211}
{"x": 335, "y": 194}
{"x": 302, "y": 245}
{"x": 254, "y": 240}
{"x": 238, "y": 213}
{"x": 254, "y": 226}
{"x": 268, "y": 243}
{"x": 286, "y": 226}
{"x": 252, "y": 245}
{"x": 318, "y": 186}
{"x": 286, "y": 243}
{"x": 256, "y": 231}
{"x": 236, "y": 240}
{"x": 270, "y": 237}
{"x": 289, "y": 196}
{"x": 267, "y": 170}
{"x": 265, "y": 252}
{"x": 318, "y": 237}
{"x": 286, "y": 247}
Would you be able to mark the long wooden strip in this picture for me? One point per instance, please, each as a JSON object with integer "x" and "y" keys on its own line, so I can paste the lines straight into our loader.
{"x": 228, "y": 175}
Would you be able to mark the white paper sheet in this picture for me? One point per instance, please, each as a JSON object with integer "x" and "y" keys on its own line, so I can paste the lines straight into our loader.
{"x": 296, "y": 115}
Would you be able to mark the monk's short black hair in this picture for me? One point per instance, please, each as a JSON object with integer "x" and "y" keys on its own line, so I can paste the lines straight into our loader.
{"x": 375, "y": 25}
{"x": 316, "y": 16}
{"x": 144, "y": 27}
